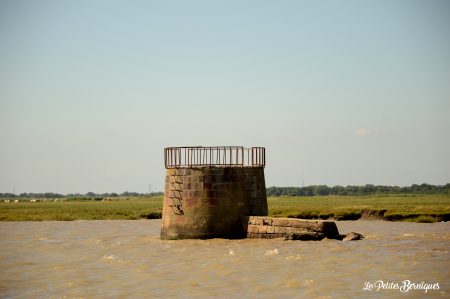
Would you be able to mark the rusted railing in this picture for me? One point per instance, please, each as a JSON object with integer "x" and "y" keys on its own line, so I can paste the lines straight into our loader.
{"x": 198, "y": 156}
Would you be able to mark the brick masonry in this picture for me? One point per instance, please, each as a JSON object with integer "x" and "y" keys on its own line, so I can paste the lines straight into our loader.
{"x": 291, "y": 229}
{"x": 210, "y": 202}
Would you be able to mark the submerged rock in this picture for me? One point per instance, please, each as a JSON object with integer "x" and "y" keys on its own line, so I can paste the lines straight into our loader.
{"x": 305, "y": 236}
{"x": 353, "y": 237}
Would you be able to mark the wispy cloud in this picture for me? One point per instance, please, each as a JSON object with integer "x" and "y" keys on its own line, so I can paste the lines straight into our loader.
{"x": 361, "y": 132}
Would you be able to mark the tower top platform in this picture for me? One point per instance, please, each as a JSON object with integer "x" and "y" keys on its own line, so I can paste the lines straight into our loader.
{"x": 214, "y": 156}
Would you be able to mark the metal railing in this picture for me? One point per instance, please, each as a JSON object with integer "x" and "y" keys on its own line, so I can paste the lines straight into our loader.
{"x": 225, "y": 156}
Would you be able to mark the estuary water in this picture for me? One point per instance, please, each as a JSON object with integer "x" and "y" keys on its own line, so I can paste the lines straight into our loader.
{"x": 126, "y": 259}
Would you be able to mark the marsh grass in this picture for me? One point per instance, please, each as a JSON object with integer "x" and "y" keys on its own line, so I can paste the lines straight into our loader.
{"x": 417, "y": 208}
{"x": 66, "y": 210}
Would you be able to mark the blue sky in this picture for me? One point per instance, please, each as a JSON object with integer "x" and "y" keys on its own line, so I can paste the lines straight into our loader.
{"x": 339, "y": 92}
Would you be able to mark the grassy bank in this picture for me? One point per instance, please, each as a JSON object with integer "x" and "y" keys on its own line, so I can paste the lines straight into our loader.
{"x": 116, "y": 208}
{"x": 418, "y": 208}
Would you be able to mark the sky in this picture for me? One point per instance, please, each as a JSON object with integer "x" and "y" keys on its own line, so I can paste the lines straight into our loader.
{"x": 339, "y": 92}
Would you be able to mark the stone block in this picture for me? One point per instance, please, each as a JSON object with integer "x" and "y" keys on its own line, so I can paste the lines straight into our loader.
{"x": 288, "y": 230}
{"x": 281, "y": 221}
{"x": 307, "y": 225}
{"x": 253, "y": 228}
{"x": 267, "y": 220}
{"x": 262, "y": 229}
{"x": 208, "y": 179}
{"x": 207, "y": 186}
{"x": 250, "y": 195}
{"x": 256, "y": 236}
{"x": 189, "y": 201}
{"x": 208, "y": 194}
{"x": 279, "y": 229}
{"x": 256, "y": 220}
{"x": 250, "y": 180}
{"x": 175, "y": 194}
{"x": 217, "y": 186}
{"x": 250, "y": 188}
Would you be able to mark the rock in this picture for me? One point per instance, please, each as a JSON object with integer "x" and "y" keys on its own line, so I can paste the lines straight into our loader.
{"x": 304, "y": 236}
{"x": 353, "y": 237}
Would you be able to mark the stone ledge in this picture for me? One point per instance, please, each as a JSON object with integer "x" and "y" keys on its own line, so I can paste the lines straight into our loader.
{"x": 261, "y": 227}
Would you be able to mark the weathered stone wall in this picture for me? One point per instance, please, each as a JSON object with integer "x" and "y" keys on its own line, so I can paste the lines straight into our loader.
{"x": 210, "y": 202}
{"x": 289, "y": 228}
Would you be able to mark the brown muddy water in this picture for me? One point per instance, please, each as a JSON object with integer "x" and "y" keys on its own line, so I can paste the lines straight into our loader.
{"x": 117, "y": 259}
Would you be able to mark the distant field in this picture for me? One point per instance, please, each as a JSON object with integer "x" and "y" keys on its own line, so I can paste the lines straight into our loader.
{"x": 418, "y": 208}
{"x": 117, "y": 208}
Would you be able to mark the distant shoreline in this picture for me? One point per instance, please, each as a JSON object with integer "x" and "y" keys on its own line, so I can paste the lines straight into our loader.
{"x": 413, "y": 208}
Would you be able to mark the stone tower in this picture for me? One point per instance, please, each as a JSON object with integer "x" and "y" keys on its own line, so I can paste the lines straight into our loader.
{"x": 209, "y": 191}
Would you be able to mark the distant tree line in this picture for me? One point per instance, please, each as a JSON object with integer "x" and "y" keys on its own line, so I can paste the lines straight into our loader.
{"x": 358, "y": 190}
{"x": 77, "y": 195}
{"x": 313, "y": 190}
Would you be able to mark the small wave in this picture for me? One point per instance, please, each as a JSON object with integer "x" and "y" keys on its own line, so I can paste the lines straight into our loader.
{"x": 294, "y": 257}
{"x": 110, "y": 257}
{"x": 272, "y": 252}
{"x": 308, "y": 282}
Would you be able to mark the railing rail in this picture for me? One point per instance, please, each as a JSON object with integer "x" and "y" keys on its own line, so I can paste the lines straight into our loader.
{"x": 199, "y": 156}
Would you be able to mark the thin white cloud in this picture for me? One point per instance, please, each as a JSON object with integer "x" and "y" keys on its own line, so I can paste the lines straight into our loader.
{"x": 361, "y": 132}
